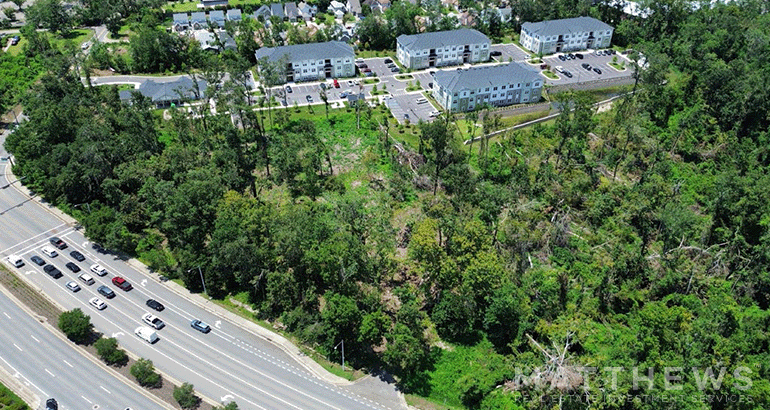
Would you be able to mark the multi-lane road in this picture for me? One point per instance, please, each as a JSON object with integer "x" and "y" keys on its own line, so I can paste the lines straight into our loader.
{"x": 229, "y": 363}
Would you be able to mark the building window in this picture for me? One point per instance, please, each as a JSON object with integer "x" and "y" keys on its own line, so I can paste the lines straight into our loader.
{"x": 494, "y": 95}
{"x": 494, "y": 89}
{"x": 502, "y": 88}
{"x": 527, "y": 85}
{"x": 486, "y": 89}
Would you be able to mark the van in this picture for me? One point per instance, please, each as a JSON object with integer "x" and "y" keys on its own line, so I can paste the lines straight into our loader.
{"x": 422, "y": 100}
{"x": 15, "y": 260}
{"x": 149, "y": 335}
{"x": 86, "y": 278}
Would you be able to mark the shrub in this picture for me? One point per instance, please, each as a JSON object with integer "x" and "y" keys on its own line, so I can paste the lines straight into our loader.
{"x": 144, "y": 372}
{"x": 76, "y": 325}
{"x": 108, "y": 350}
{"x": 185, "y": 396}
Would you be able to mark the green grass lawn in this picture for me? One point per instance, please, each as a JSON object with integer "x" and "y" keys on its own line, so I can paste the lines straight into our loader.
{"x": 404, "y": 77}
{"x": 617, "y": 66}
{"x": 550, "y": 74}
{"x": 76, "y": 38}
{"x": 375, "y": 53}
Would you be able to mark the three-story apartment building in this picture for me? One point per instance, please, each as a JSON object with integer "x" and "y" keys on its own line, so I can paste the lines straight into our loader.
{"x": 554, "y": 36}
{"x": 442, "y": 48}
{"x": 500, "y": 85}
{"x": 315, "y": 61}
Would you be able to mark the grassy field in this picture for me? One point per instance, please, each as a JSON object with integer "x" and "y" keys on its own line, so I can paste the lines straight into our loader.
{"x": 192, "y": 5}
{"x": 76, "y": 38}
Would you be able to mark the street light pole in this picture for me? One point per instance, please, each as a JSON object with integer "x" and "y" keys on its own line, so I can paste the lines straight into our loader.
{"x": 343, "y": 352}
{"x": 202, "y": 281}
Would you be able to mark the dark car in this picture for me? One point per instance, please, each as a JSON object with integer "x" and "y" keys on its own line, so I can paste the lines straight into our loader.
{"x": 51, "y": 404}
{"x": 363, "y": 66}
{"x": 323, "y": 86}
{"x": 430, "y": 85}
{"x": 38, "y": 260}
{"x": 154, "y": 304}
{"x": 200, "y": 326}
{"x": 309, "y": 98}
{"x": 597, "y": 71}
{"x": 77, "y": 256}
{"x": 60, "y": 244}
{"x": 15, "y": 40}
{"x": 387, "y": 61}
{"x": 97, "y": 247}
{"x": 395, "y": 70}
{"x": 107, "y": 292}
{"x": 121, "y": 283}
{"x": 288, "y": 89}
{"x": 578, "y": 55}
{"x": 562, "y": 58}
{"x": 571, "y": 56}
{"x": 73, "y": 267}
{"x": 585, "y": 65}
{"x": 495, "y": 53}
{"x": 52, "y": 271}
{"x": 567, "y": 74}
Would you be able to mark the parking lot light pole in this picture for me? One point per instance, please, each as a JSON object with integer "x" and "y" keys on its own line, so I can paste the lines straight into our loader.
{"x": 202, "y": 281}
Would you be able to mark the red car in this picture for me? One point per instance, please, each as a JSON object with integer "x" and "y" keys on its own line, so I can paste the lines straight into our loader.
{"x": 336, "y": 84}
{"x": 121, "y": 283}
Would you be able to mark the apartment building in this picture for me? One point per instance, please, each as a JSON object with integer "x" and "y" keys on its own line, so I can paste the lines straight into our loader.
{"x": 554, "y": 36}
{"x": 315, "y": 61}
{"x": 500, "y": 85}
{"x": 442, "y": 48}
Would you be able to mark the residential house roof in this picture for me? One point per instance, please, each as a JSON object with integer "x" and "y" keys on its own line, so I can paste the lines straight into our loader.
{"x": 181, "y": 19}
{"x": 206, "y": 40}
{"x": 276, "y": 9}
{"x": 354, "y": 6}
{"x": 311, "y": 51}
{"x": 263, "y": 11}
{"x": 218, "y": 17}
{"x": 292, "y": 12}
{"x": 504, "y": 13}
{"x": 228, "y": 42}
{"x": 234, "y": 14}
{"x": 482, "y": 77}
{"x": 210, "y": 3}
{"x": 198, "y": 17}
{"x": 159, "y": 92}
{"x": 439, "y": 39}
{"x": 565, "y": 26}
{"x": 334, "y": 4}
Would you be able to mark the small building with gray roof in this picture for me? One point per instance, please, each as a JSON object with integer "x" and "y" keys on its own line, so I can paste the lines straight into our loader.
{"x": 217, "y": 17}
{"x": 234, "y": 15}
{"x": 499, "y": 85}
{"x": 165, "y": 93}
{"x": 198, "y": 20}
{"x": 442, "y": 48}
{"x": 554, "y": 36}
{"x": 276, "y": 9}
{"x": 314, "y": 61}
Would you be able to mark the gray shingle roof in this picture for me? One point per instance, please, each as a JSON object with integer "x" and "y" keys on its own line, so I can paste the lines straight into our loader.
{"x": 442, "y": 39}
{"x": 160, "y": 92}
{"x": 481, "y": 77}
{"x": 291, "y": 10}
{"x": 181, "y": 18}
{"x": 355, "y": 6}
{"x": 198, "y": 17}
{"x": 234, "y": 14}
{"x": 276, "y": 9}
{"x": 311, "y": 51}
{"x": 217, "y": 15}
{"x": 565, "y": 26}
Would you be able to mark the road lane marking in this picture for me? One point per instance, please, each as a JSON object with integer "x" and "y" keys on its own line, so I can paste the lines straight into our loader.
{"x": 68, "y": 363}
{"x": 34, "y": 338}
{"x": 102, "y": 387}
{"x": 21, "y": 376}
{"x": 49, "y": 372}
{"x": 17, "y": 346}
{"x": 6, "y": 315}
{"x": 89, "y": 401}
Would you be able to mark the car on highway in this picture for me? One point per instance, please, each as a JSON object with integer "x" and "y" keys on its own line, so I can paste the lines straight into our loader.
{"x": 77, "y": 256}
{"x": 97, "y": 303}
{"x": 73, "y": 267}
{"x": 52, "y": 271}
{"x": 38, "y": 260}
{"x": 154, "y": 304}
{"x": 200, "y": 326}
{"x": 71, "y": 285}
{"x": 98, "y": 269}
{"x": 107, "y": 292}
{"x": 51, "y": 404}
{"x": 57, "y": 242}
{"x": 149, "y": 335}
{"x": 153, "y": 321}
{"x": 49, "y": 251}
{"x": 121, "y": 283}
{"x": 86, "y": 278}
{"x": 597, "y": 70}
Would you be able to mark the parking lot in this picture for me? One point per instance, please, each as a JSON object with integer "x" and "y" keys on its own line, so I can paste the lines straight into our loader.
{"x": 580, "y": 74}
{"x": 510, "y": 51}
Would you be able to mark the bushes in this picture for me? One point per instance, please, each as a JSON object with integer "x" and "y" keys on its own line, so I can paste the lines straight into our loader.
{"x": 108, "y": 351}
{"x": 76, "y": 325}
{"x": 144, "y": 372}
{"x": 185, "y": 396}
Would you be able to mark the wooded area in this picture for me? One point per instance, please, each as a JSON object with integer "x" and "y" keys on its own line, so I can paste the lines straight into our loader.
{"x": 637, "y": 237}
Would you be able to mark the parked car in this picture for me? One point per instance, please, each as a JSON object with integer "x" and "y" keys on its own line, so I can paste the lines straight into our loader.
{"x": 367, "y": 70}
{"x": 52, "y": 271}
{"x": 434, "y": 114}
{"x": 288, "y": 89}
{"x": 71, "y": 285}
{"x": 107, "y": 292}
{"x": 597, "y": 70}
{"x": 58, "y": 243}
{"x": 121, "y": 283}
{"x": 49, "y": 251}
{"x": 387, "y": 61}
{"x": 15, "y": 40}
{"x": 363, "y": 66}
{"x": 78, "y": 256}
{"x": 559, "y": 69}
{"x": 73, "y": 267}
{"x": 567, "y": 74}
{"x": 323, "y": 86}
{"x": 571, "y": 56}
{"x": 200, "y": 326}
{"x": 51, "y": 404}
{"x": 495, "y": 53}
{"x": 154, "y": 304}
{"x": 38, "y": 260}
{"x": 562, "y": 58}
{"x": 543, "y": 66}
{"x": 98, "y": 303}
{"x": 578, "y": 55}
{"x": 395, "y": 70}
{"x": 586, "y": 66}
{"x": 336, "y": 83}
{"x": 153, "y": 321}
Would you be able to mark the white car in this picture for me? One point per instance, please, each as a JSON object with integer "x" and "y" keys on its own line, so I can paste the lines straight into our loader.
{"x": 559, "y": 68}
{"x": 434, "y": 113}
{"x": 49, "y": 251}
{"x": 98, "y": 269}
{"x": 98, "y": 303}
{"x": 71, "y": 285}
{"x": 153, "y": 321}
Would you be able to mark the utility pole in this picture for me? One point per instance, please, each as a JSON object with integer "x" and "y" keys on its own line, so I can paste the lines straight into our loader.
{"x": 202, "y": 281}
{"x": 343, "y": 352}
